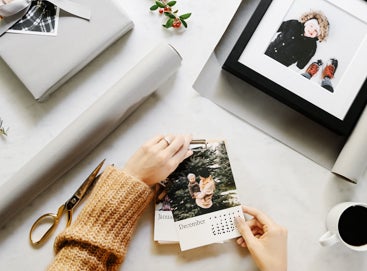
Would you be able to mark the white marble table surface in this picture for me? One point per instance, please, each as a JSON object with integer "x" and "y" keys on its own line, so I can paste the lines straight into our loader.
{"x": 295, "y": 191}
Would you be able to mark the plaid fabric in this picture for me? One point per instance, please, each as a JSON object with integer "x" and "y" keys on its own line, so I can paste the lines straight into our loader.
{"x": 40, "y": 17}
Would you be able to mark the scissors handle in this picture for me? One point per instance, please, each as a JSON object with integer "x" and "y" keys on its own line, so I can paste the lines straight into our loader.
{"x": 50, "y": 218}
{"x": 54, "y": 219}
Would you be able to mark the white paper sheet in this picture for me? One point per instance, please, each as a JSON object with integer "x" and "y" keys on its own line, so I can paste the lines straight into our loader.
{"x": 88, "y": 130}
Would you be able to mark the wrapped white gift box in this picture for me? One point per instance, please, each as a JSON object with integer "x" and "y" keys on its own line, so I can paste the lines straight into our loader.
{"x": 43, "y": 63}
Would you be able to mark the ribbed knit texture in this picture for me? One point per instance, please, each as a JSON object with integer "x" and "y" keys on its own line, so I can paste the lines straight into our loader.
{"x": 99, "y": 237}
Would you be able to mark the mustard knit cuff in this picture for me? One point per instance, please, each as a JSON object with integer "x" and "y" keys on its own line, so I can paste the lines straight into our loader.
{"x": 110, "y": 215}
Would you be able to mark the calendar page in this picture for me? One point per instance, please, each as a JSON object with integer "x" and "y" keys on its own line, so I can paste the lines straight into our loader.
{"x": 164, "y": 227}
{"x": 201, "y": 194}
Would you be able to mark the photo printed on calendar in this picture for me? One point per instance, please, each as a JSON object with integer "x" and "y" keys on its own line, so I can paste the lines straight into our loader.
{"x": 203, "y": 198}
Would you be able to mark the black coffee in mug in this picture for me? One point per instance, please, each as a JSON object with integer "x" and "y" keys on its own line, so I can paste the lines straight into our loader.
{"x": 353, "y": 226}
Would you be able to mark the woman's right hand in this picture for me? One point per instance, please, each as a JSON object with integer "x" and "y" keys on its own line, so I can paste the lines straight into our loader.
{"x": 158, "y": 157}
{"x": 265, "y": 240}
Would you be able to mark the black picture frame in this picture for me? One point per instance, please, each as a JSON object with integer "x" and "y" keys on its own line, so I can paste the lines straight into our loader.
{"x": 278, "y": 90}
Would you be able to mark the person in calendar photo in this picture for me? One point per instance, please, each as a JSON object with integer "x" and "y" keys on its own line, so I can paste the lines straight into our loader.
{"x": 193, "y": 186}
{"x": 204, "y": 198}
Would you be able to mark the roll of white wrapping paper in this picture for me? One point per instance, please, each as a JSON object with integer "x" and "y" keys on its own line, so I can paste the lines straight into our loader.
{"x": 352, "y": 160}
{"x": 88, "y": 130}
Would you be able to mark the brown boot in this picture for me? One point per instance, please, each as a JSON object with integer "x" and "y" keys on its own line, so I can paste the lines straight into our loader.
{"x": 330, "y": 68}
{"x": 314, "y": 67}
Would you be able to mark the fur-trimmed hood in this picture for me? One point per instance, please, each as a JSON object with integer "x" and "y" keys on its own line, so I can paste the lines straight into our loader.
{"x": 322, "y": 20}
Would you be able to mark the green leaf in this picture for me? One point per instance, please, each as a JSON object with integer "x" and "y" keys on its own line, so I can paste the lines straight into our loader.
{"x": 185, "y": 16}
{"x": 171, "y": 3}
{"x": 183, "y": 23}
{"x": 169, "y": 14}
{"x": 169, "y": 23}
{"x": 154, "y": 7}
{"x": 160, "y": 4}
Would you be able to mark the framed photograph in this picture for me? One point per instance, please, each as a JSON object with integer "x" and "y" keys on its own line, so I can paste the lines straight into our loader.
{"x": 308, "y": 54}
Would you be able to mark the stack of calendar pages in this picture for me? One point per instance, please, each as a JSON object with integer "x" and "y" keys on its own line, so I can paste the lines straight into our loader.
{"x": 196, "y": 205}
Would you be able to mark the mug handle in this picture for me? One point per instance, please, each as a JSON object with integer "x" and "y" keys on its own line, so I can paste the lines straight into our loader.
{"x": 328, "y": 239}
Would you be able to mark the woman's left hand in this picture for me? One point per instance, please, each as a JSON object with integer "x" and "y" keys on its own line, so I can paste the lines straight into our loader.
{"x": 158, "y": 157}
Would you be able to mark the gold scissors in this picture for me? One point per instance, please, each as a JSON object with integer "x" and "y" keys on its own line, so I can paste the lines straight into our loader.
{"x": 68, "y": 206}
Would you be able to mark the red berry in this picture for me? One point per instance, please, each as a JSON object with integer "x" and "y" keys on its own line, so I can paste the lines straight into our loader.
{"x": 176, "y": 23}
{"x": 161, "y": 10}
{"x": 167, "y": 9}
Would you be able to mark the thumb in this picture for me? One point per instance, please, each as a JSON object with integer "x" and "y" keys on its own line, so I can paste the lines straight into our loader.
{"x": 244, "y": 230}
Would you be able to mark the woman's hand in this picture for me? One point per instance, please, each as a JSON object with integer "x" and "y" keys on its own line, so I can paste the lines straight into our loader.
{"x": 158, "y": 157}
{"x": 265, "y": 240}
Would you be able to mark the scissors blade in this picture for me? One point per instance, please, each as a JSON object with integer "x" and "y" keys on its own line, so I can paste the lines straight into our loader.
{"x": 83, "y": 189}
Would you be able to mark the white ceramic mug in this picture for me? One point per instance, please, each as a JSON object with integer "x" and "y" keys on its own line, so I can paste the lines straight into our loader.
{"x": 346, "y": 222}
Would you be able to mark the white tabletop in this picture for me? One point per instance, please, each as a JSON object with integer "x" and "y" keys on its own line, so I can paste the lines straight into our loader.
{"x": 295, "y": 191}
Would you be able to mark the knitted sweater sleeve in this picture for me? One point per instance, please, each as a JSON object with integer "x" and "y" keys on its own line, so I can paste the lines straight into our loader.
{"x": 99, "y": 237}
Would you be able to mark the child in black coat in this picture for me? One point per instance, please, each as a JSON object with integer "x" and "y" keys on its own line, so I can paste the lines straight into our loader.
{"x": 296, "y": 40}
